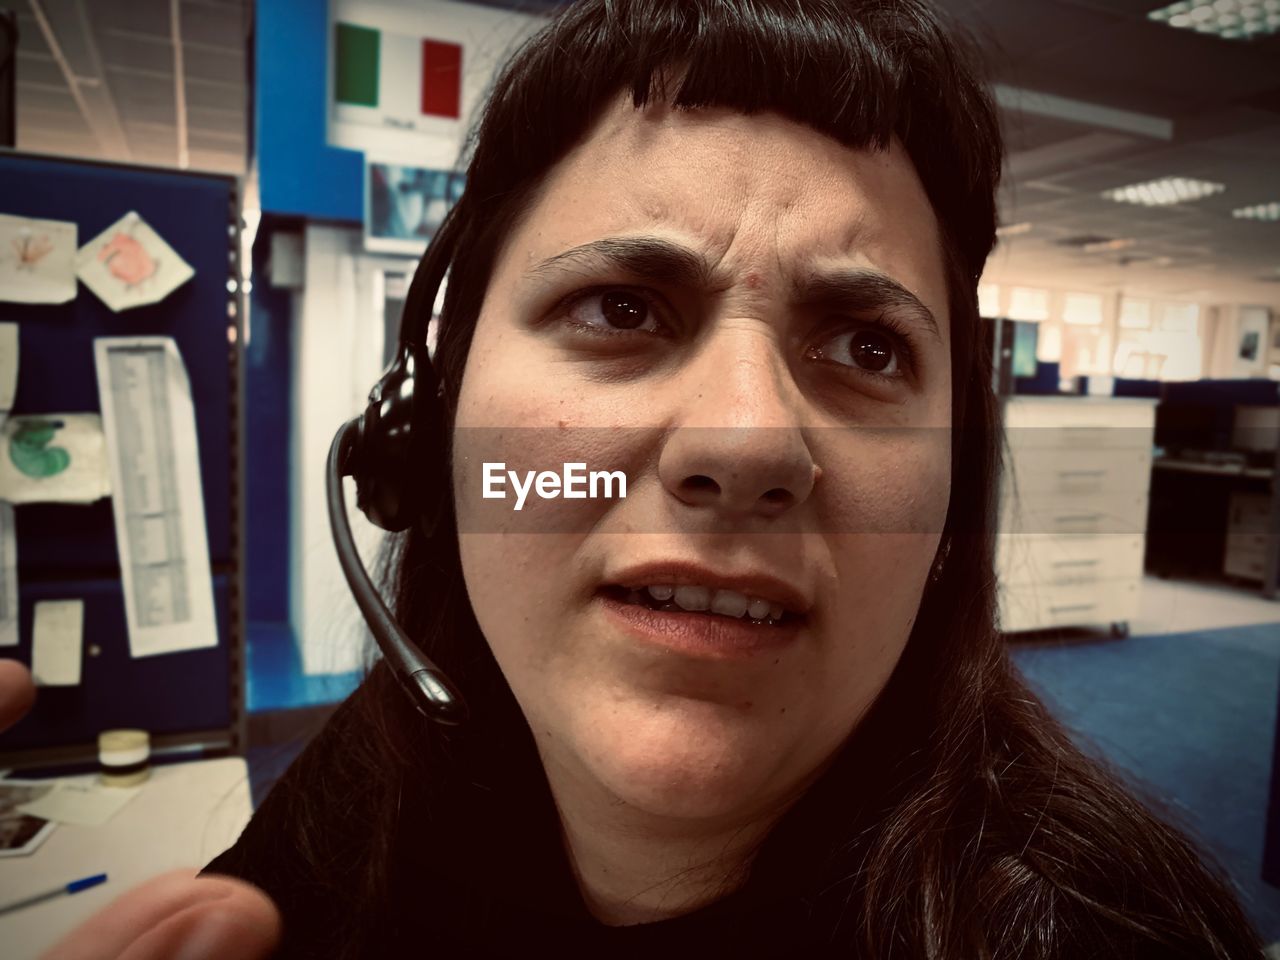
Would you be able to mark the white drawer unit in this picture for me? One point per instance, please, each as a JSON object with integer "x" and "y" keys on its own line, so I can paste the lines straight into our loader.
{"x": 1107, "y": 511}
{"x": 1072, "y": 558}
{"x": 1087, "y": 471}
{"x": 1037, "y": 606}
{"x": 1073, "y": 511}
{"x": 1249, "y": 536}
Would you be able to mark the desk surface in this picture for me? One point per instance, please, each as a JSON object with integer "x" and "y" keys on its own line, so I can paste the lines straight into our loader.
{"x": 1217, "y": 469}
{"x": 186, "y": 815}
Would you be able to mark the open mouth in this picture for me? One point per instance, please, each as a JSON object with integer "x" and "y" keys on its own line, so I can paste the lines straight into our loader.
{"x": 686, "y": 598}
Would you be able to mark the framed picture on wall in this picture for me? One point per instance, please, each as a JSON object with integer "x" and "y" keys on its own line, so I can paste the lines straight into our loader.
{"x": 404, "y": 206}
{"x": 1253, "y": 339}
{"x": 1249, "y": 345}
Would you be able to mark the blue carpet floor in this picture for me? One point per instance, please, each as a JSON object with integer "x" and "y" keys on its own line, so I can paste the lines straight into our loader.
{"x": 1191, "y": 717}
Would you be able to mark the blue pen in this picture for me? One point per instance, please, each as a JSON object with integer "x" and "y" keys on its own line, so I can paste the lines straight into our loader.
{"x": 74, "y": 887}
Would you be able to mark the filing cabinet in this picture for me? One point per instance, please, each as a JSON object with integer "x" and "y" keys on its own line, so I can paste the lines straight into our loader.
{"x": 1073, "y": 511}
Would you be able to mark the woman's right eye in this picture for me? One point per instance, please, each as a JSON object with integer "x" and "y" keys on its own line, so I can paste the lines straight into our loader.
{"x": 614, "y": 311}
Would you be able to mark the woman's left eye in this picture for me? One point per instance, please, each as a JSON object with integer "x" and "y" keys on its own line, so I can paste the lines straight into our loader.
{"x": 866, "y": 349}
{"x": 614, "y": 310}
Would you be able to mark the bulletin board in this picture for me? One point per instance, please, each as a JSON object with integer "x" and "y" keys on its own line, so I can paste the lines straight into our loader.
{"x": 191, "y": 700}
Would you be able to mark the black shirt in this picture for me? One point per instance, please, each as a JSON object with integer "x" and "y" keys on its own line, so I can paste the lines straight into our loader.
{"x": 478, "y": 870}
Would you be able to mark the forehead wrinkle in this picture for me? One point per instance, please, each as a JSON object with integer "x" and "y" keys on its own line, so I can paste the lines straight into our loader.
{"x": 758, "y": 202}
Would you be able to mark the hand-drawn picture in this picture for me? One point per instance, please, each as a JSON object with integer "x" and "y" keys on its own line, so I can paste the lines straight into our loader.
{"x": 30, "y": 450}
{"x": 405, "y": 206}
{"x": 37, "y": 260}
{"x": 54, "y": 458}
{"x": 130, "y": 265}
{"x": 127, "y": 259}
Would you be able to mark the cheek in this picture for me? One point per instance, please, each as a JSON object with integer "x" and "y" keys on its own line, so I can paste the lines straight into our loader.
{"x": 886, "y": 522}
{"x": 509, "y": 586}
{"x": 886, "y": 480}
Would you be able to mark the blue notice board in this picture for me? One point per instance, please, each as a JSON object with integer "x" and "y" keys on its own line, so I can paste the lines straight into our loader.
{"x": 188, "y": 699}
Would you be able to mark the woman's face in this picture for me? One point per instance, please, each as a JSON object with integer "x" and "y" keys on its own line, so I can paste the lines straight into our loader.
{"x": 750, "y": 321}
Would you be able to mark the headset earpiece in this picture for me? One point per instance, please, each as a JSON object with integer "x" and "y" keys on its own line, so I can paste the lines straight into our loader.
{"x": 397, "y": 432}
{"x": 387, "y": 451}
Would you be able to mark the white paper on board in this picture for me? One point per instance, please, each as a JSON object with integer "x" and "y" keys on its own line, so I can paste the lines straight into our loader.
{"x": 37, "y": 260}
{"x": 53, "y": 458}
{"x": 56, "y": 641}
{"x": 9, "y": 574}
{"x": 8, "y": 368}
{"x": 158, "y": 504}
{"x": 130, "y": 265}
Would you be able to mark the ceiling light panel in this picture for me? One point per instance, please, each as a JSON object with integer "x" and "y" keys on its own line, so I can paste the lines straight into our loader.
{"x": 1229, "y": 19}
{"x": 1260, "y": 211}
{"x": 1164, "y": 192}
{"x": 1106, "y": 246}
{"x": 1013, "y": 229}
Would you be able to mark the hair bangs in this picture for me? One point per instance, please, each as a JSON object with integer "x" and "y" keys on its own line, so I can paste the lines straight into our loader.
{"x": 863, "y": 72}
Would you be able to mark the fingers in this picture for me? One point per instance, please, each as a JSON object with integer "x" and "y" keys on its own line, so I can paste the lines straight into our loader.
{"x": 178, "y": 916}
{"x": 17, "y": 692}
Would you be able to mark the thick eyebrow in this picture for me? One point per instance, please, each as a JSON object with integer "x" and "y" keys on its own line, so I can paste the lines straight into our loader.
{"x": 655, "y": 260}
{"x": 648, "y": 259}
{"x": 861, "y": 291}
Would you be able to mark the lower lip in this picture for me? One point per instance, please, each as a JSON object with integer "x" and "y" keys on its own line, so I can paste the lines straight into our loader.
{"x": 700, "y": 634}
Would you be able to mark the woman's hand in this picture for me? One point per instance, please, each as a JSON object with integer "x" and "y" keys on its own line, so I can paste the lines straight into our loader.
{"x": 17, "y": 693}
{"x": 176, "y": 916}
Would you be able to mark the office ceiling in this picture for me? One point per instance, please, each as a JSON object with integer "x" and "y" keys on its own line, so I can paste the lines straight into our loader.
{"x": 1221, "y": 99}
{"x": 1131, "y": 101}
{"x": 97, "y": 78}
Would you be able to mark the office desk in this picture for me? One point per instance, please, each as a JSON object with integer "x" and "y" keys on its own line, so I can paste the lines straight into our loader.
{"x": 1215, "y": 469}
{"x": 186, "y": 815}
{"x": 1188, "y": 515}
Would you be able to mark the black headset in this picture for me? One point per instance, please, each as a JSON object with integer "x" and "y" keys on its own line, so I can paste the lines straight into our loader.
{"x": 387, "y": 450}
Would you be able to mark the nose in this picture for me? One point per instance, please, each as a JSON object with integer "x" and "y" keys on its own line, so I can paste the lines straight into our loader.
{"x": 738, "y": 447}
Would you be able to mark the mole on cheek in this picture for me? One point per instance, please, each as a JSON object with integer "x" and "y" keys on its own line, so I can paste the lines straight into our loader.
{"x": 753, "y": 281}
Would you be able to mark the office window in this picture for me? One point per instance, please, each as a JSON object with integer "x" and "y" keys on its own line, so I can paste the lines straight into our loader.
{"x": 1171, "y": 349}
{"x": 1179, "y": 317}
{"x": 1028, "y": 303}
{"x": 988, "y": 300}
{"x": 1082, "y": 309}
{"x": 1135, "y": 314}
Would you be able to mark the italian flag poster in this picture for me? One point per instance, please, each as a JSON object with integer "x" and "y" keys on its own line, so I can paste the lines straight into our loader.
{"x": 395, "y": 81}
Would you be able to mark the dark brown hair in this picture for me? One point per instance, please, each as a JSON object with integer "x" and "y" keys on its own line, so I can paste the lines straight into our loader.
{"x": 959, "y": 820}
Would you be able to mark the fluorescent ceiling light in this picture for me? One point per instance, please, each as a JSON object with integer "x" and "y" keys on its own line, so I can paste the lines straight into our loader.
{"x": 1014, "y": 229}
{"x": 1165, "y": 191}
{"x": 1082, "y": 112}
{"x": 1260, "y": 211}
{"x": 1104, "y": 246}
{"x": 1229, "y": 19}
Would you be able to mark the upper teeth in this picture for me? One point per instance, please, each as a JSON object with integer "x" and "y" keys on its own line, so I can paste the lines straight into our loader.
{"x": 727, "y": 602}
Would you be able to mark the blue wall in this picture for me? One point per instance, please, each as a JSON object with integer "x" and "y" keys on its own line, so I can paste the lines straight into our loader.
{"x": 300, "y": 178}
{"x": 298, "y": 172}
{"x": 268, "y": 405}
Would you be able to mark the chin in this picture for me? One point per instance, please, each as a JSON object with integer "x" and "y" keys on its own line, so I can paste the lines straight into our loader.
{"x": 695, "y": 760}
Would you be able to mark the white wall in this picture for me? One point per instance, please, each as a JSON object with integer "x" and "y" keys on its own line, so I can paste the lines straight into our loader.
{"x": 338, "y": 319}
{"x": 1228, "y": 327}
{"x": 338, "y": 340}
